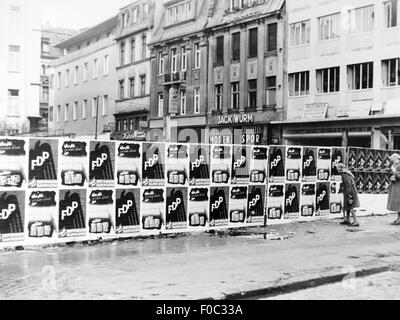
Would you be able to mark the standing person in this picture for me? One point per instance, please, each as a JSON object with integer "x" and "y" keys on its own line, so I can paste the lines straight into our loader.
{"x": 394, "y": 191}
{"x": 350, "y": 196}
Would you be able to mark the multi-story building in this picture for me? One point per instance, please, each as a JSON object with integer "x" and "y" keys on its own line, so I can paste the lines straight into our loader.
{"x": 343, "y": 73}
{"x": 179, "y": 61}
{"x": 246, "y": 70}
{"x": 85, "y": 83}
{"x": 133, "y": 70}
{"x": 19, "y": 66}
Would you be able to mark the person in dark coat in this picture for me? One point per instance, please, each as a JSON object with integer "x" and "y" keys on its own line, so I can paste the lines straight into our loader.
{"x": 350, "y": 196}
{"x": 394, "y": 190}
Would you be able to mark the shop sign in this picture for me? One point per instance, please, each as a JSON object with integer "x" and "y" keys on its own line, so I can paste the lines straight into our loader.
{"x": 132, "y": 136}
{"x": 236, "y": 119}
{"x": 251, "y": 138}
{"x": 173, "y": 100}
{"x": 315, "y": 111}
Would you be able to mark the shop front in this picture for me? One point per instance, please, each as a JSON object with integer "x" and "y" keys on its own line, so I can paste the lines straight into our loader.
{"x": 131, "y": 126}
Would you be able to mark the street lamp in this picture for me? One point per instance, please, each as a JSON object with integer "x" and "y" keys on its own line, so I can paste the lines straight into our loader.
{"x": 97, "y": 116}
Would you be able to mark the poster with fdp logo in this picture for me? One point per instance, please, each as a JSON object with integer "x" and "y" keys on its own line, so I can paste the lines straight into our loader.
{"x": 307, "y": 200}
{"x": 41, "y": 215}
{"x": 199, "y": 165}
{"x": 72, "y": 213}
{"x": 275, "y": 203}
{"x": 100, "y": 212}
{"x": 293, "y": 164}
{"x": 43, "y": 162}
{"x": 336, "y": 197}
{"x": 127, "y": 211}
{"x": 258, "y": 165}
{"x": 128, "y": 163}
{"x": 238, "y": 206}
{"x": 324, "y": 164}
{"x": 256, "y": 205}
{"x": 322, "y": 199}
{"x": 292, "y": 201}
{"x": 73, "y": 164}
{"x": 153, "y": 166}
{"x": 198, "y": 208}
{"x": 177, "y": 164}
{"x": 101, "y": 164}
{"x": 219, "y": 206}
{"x": 276, "y": 164}
{"x": 152, "y": 210}
{"x": 221, "y": 162}
{"x": 13, "y": 159}
{"x": 338, "y": 157}
{"x": 241, "y": 165}
{"x": 176, "y": 210}
{"x": 12, "y": 215}
{"x": 309, "y": 167}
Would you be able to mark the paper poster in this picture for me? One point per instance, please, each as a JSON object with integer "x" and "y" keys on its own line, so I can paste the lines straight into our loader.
{"x": 308, "y": 200}
{"x": 153, "y": 164}
{"x": 322, "y": 199}
{"x": 100, "y": 212}
{"x": 72, "y": 213}
{"x": 13, "y": 161}
{"x": 379, "y": 161}
{"x": 275, "y": 202}
{"x": 309, "y": 172}
{"x": 152, "y": 210}
{"x": 102, "y": 164}
{"x": 338, "y": 157}
{"x": 199, "y": 165}
{"x": 292, "y": 201}
{"x": 277, "y": 164}
{"x": 73, "y": 164}
{"x": 256, "y": 205}
{"x": 128, "y": 163}
{"x": 370, "y": 160}
{"x": 369, "y": 187}
{"x": 324, "y": 164}
{"x": 177, "y": 164}
{"x": 387, "y": 164}
{"x": 43, "y": 156}
{"x": 127, "y": 211}
{"x": 237, "y": 206}
{"x": 336, "y": 198}
{"x": 360, "y": 181}
{"x": 219, "y": 206}
{"x": 258, "y": 165}
{"x": 361, "y": 160}
{"x": 352, "y": 159}
{"x": 293, "y": 164}
{"x": 221, "y": 161}
{"x": 12, "y": 216}
{"x": 176, "y": 209}
{"x": 198, "y": 208}
{"x": 386, "y": 182}
{"x": 241, "y": 165}
{"x": 41, "y": 214}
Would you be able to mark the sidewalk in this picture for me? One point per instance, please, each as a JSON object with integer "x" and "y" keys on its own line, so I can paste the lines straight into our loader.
{"x": 200, "y": 266}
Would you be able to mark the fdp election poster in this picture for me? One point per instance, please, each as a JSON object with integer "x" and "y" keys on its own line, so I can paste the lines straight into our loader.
{"x": 241, "y": 165}
{"x": 100, "y": 212}
{"x": 219, "y": 206}
{"x": 43, "y": 162}
{"x": 41, "y": 215}
{"x": 352, "y": 159}
{"x": 276, "y": 164}
{"x": 361, "y": 160}
{"x": 176, "y": 209}
{"x": 256, "y": 205}
{"x": 237, "y": 206}
{"x": 101, "y": 164}
{"x": 293, "y": 164}
{"x": 336, "y": 198}
{"x": 258, "y": 165}
{"x": 72, "y": 213}
{"x": 292, "y": 201}
{"x": 73, "y": 164}
{"x": 199, "y": 165}
{"x": 221, "y": 162}
{"x": 128, "y": 163}
{"x": 360, "y": 181}
{"x": 153, "y": 164}
{"x": 322, "y": 199}
{"x": 309, "y": 172}
{"x": 198, "y": 208}
{"x": 275, "y": 203}
{"x": 177, "y": 164}
{"x": 152, "y": 210}
{"x": 12, "y": 216}
{"x": 127, "y": 211}
{"x": 338, "y": 157}
{"x": 13, "y": 160}
{"x": 324, "y": 164}
{"x": 308, "y": 200}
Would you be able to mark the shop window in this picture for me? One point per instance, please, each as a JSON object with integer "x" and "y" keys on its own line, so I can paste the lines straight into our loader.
{"x": 391, "y": 72}
{"x": 360, "y": 76}
{"x": 328, "y": 80}
{"x": 299, "y": 83}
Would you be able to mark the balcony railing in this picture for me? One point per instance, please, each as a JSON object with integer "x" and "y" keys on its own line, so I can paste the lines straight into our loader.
{"x": 175, "y": 77}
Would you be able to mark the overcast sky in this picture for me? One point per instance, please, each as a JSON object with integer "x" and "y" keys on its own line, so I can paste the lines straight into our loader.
{"x": 78, "y": 14}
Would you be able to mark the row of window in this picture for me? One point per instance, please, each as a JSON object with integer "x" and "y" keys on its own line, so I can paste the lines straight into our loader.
{"x": 132, "y": 88}
{"x": 131, "y": 16}
{"x": 357, "y": 21}
{"x": 101, "y": 104}
{"x": 180, "y": 12}
{"x": 85, "y": 72}
{"x": 182, "y": 103}
{"x": 359, "y": 76}
{"x": 129, "y": 124}
{"x": 132, "y": 50}
{"x": 242, "y": 4}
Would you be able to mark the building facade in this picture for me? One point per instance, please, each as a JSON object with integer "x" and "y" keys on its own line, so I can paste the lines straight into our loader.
{"x": 133, "y": 70}
{"x": 84, "y": 83}
{"x": 343, "y": 74}
{"x": 19, "y": 66}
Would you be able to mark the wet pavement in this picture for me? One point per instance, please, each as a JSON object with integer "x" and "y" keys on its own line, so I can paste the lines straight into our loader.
{"x": 199, "y": 266}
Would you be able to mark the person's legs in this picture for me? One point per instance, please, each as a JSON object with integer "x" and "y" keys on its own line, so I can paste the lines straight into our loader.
{"x": 346, "y": 217}
{"x": 353, "y": 213}
{"x": 397, "y": 222}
